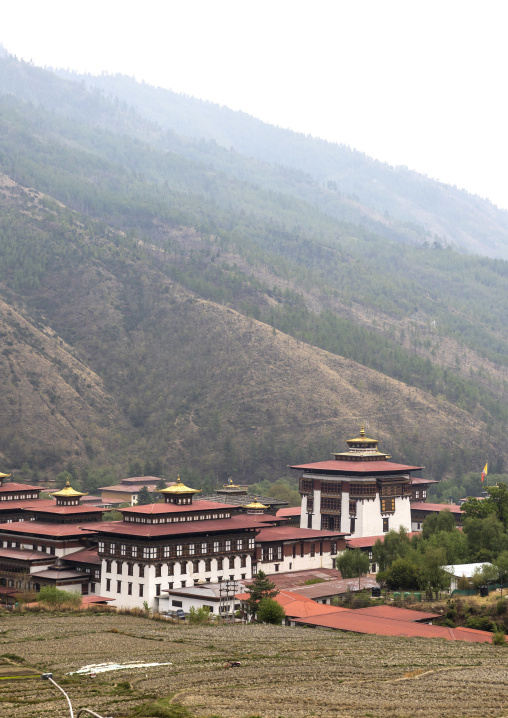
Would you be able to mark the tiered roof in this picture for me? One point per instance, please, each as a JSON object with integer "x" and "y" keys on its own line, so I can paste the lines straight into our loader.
{"x": 362, "y": 457}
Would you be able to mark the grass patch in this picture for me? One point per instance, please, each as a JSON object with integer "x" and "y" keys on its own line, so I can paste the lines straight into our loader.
{"x": 13, "y": 657}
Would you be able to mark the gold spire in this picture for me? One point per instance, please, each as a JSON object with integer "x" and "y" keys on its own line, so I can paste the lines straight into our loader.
{"x": 179, "y": 488}
{"x": 68, "y": 492}
{"x": 230, "y": 484}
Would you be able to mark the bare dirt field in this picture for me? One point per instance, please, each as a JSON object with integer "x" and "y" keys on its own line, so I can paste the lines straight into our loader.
{"x": 285, "y": 672}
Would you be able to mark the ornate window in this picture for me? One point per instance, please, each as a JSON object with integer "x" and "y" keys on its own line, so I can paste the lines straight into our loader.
{"x": 331, "y": 488}
{"x": 306, "y": 486}
{"x": 387, "y": 506}
{"x": 361, "y": 490}
{"x": 330, "y": 505}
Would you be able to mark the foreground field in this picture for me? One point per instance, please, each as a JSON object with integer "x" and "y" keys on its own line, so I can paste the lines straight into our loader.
{"x": 289, "y": 672}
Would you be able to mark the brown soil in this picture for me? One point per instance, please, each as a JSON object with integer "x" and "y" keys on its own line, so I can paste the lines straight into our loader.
{"x": 290, "y": 672}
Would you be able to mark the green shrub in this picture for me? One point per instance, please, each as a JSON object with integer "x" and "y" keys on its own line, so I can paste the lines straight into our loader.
{"x": 56, "y": 598}
{"x": 501, "y": 607}
{"x": 199, "y": 615}
{"x": 499, "y": 639}
{"x": 270, "y": 611}
{"x": 481, "y": 623}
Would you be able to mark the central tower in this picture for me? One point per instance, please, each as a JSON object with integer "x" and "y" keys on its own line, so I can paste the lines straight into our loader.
{"x": 359, "y": 492}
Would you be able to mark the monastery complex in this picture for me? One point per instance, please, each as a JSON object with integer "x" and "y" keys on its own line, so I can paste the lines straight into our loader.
{"x": 185, "y": 550}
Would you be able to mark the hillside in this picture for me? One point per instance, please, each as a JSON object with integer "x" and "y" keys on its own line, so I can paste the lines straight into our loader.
{"x": 183, "y": 378}
{"x": 392, "y": 201}
{"x": 221, "y": 324}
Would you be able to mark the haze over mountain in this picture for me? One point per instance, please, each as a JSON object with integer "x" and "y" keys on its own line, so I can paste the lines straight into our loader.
{"x": 189, "y": 284}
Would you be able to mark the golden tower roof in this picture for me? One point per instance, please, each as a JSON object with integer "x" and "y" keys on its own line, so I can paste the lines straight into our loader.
{"x": 68, "y": 492}
{"x": 362, "y": 449}
{"x": 254, "y": 505}
{"x": 179, "y": 488}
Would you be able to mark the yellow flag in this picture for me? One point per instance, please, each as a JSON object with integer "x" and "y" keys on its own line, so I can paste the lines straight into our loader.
{"x": 485, "y": 470}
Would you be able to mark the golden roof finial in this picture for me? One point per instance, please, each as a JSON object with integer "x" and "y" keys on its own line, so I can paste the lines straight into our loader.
{"x": 179, "y": 488}
{"x": 68, "y": 492}
{"x": 362, "y": 431}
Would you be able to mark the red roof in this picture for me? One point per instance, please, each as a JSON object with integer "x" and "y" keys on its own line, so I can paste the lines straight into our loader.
{"x": 337, "y": 586}
{"x": 294, "y": 579}
{"x": 65, "y": 510}
{"x": 177, "y": 508}
{"x": 85, "y": 555}
{"x": 416, "y": 480}
{"x": 128, "y": 489}
{"x": 25, "y": 504}
{"x": 366, "y": 541}
{"x": 290, "y": 511}
{"x": 296, "y": 606}
{"x": 357, "y": 467}
{"x": 211, "y": 526}
{"x": 25, "y": 554}
{"x": 38, "y": 528}
{"x": 360, "y": 623}
{"x": 12, "y": 486}
{"x": 294, "y": 533}
{"x": 398, "y": 614}
{"x": 423, "y": 506}
{"x": 87, "y": 600}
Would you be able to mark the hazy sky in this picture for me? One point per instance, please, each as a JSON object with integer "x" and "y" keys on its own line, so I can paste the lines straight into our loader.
{"x": 415, "y": 83}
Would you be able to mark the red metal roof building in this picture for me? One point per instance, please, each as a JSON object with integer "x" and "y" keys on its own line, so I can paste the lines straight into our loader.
{"x": 358, "y": 622}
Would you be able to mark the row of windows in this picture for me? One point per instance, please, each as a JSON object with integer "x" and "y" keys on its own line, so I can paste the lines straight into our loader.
{"x": 184, "y": 566}
{"x": 327, "y": 487}
{"x": 17, "y": 497}
{"x": 34, "y": 547}
{"x": 175, "y": 519}
{"x": 398, "y": 489}
{"x": 175, "y": 550}
{"x": 271, "y": 553}
{"x": 359, "y": 490}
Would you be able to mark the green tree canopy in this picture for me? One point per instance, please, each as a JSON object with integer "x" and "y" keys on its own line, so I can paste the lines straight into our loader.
{"x": 353, "y": 564}
{"x": 270, "y": 611}
{"x": 442, "y": 521}
{"x": 402, "y": 574}
{"x": 145, "y": 497}
{"x": 396, "y": 544}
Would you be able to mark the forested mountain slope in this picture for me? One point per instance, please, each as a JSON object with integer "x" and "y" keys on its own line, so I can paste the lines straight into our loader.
{"x": 200, "y": 385}
{"x": 227, "y": 326}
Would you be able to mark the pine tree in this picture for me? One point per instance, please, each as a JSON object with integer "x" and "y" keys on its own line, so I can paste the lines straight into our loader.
{"x": 161, "y": 484}
{"x": 260, "y": 588}
{"x": 144, "y": 497}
